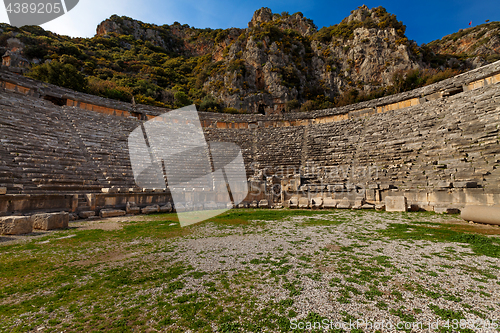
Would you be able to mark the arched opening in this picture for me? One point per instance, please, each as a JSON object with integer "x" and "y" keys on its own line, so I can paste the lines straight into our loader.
{"x": 56, "y": 100}
{"x": 262, "y": 109}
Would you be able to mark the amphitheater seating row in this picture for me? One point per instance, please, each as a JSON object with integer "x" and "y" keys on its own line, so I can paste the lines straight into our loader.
{"x": 45, "y": 148}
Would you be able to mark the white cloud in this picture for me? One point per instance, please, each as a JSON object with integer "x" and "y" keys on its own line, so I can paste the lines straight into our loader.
{"x": 82, "y": 20}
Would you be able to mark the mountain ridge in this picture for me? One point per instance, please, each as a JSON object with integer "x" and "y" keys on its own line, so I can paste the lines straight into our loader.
{"x": 281, "y": 62}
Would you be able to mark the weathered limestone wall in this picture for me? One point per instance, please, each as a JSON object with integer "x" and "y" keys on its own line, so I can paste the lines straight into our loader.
{"x": 438, "y": 146}
{"x": 442, "y": 154}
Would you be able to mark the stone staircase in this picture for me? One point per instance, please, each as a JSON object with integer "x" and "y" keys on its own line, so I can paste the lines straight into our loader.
{"x": 104, "y": 140}
{"x": 43, "y": 155}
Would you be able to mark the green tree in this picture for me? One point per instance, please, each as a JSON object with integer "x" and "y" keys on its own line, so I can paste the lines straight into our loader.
{"x": 64, "y": 75}
{"x": 210, "y": 104}
{"x": 181, "y": 99}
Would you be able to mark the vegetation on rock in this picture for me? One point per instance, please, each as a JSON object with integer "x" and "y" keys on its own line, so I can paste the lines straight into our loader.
{"x": 281, "y": 59}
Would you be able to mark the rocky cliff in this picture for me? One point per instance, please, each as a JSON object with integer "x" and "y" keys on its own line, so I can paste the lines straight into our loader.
{"x": 478, "y": 46}
{"x": 281, "y": 62}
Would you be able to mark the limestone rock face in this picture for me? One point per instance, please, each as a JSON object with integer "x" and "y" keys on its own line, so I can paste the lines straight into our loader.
{"x": 283, "y": 58}
{"x": 480, "y": 43}
{"x": 271, "y": 68}
{"x": 261, "y": 15}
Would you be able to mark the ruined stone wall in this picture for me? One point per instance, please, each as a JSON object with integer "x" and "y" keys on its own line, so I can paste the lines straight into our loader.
{"x": 441, "y": 154}
{"x": 436, "y": 145}
{"x": 440, "y": 150}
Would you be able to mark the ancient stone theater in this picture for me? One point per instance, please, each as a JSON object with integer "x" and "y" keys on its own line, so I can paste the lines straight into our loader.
{"x": 435, "y": 148}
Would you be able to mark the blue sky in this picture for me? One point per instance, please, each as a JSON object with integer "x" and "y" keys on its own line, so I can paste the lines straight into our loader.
{"x": 426, "y": 20}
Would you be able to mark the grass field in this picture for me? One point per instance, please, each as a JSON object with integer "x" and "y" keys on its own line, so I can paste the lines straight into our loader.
{"x": 254, "y": 271}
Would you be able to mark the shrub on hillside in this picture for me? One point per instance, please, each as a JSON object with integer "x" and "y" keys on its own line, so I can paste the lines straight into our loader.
{"x": 64, "y": 75}
{"x": 230, "y": 110}
{"x": 292, "y": 105}
{"x": 210, "y": 104}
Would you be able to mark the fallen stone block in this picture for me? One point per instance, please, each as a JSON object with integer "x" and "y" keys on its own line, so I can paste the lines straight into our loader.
{"x": 452, "y": 211}
{"x": 151, "y": 209}
{"x": 396, "y": 204}
{"x": 264, "y": 203}
{"x": 344, "y": 204}
{"x": 16, "y": 225}
{"x": 414, "y": 208}
{"x": 73, "y": 217}
{"x": 166, "y": 208}
{"x": 482, "y": 214}
{"x": 317, "y": 203}
{"x": 180, "y": 208}
{"x": 50, "y": 221}
{"x": 243, "y": 205}
{"x": 380, "y": 207}
{"x": 106, "y": 213}
{"x": 254, "y": 204}
{"x": 278, "y": 206}
{"x": 359, "y": 201}
{"x": 87, "y": 214}
{"x": 303, "y": 203}
{"x": 440, "y": 210}
{"x": 212, "y": 205}
{"x": 132, "y": 208}
{"x": 368, "y": 206}
{"x": 293, "y": 202}
{"x": 3, "y": 190}
{"x": 329, "y": 203}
